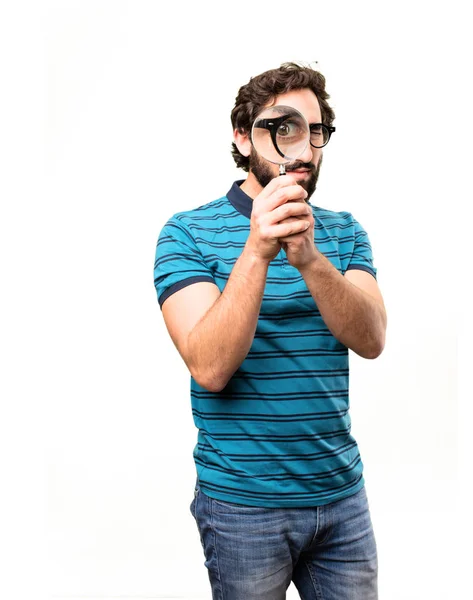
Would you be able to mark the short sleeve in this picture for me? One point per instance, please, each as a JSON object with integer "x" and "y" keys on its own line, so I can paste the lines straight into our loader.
{"x": 179, "y": 262}
{"x": 362, "y": 256}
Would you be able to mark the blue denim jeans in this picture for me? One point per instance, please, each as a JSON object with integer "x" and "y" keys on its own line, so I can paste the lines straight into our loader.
{"x": 254, "y": 553}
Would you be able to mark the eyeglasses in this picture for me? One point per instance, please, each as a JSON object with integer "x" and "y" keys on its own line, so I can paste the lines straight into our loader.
{"x": 285, "y": 127}
{"x": 320, "y": 134}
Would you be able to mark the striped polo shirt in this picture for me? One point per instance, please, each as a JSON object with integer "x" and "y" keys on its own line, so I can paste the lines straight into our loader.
{"x": 279, "y": 433}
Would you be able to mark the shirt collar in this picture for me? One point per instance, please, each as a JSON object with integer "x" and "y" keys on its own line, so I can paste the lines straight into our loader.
{"x": 241, "y": 201}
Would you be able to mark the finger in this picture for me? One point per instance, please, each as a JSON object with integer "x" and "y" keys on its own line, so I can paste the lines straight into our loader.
{"x": 277, "y": 193}
{"x": 292, "y": 238}
{"x": 275, "y": 184}
{"x": 289, "y": 210}
{"x": 283, "y": 230}
{"x": 289, "y": 194}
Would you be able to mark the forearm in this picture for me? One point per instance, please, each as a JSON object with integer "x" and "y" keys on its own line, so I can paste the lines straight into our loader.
{"x": 354, "y": 317}
{"x": 221, "y": 340}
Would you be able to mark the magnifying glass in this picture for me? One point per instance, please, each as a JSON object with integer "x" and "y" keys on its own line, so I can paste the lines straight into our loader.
{"x": 280, "y": 134}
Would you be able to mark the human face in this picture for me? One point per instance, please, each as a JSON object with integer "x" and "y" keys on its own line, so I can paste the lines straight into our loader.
{"x": 305, "y": 174}
{"x": 305, "y": 170}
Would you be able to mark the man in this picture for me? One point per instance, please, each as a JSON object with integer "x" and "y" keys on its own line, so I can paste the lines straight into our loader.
{"x": 263, "y": 294}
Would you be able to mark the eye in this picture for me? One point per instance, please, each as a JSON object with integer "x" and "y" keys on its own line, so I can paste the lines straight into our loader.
{"x": 287, "y": 128}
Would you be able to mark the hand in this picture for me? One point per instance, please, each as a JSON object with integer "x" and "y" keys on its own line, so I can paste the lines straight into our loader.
{"x": 278, "y": 211}
{"x": 300, "y": 247}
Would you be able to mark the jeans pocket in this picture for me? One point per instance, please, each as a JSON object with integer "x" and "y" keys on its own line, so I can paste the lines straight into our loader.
{"x": 194, "y": 500}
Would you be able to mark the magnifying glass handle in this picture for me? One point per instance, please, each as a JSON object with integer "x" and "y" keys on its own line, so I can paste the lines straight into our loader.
{"x": 282, "y": 170}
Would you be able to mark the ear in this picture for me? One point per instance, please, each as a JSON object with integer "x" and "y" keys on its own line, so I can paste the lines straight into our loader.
{"x": 242, "y": 141}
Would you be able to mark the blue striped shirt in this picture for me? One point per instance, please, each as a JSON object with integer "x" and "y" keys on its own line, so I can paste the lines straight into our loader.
{"x": 279, "y": 433}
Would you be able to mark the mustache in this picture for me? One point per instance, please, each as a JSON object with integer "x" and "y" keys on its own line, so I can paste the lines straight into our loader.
{"x": 300, "y": 165}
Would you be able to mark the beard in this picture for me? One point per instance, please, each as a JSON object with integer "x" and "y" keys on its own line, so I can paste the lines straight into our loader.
{"x": 261, "y": 169}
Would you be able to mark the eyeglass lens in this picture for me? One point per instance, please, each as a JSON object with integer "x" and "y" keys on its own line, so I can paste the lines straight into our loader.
{"x": 319, "y": 135}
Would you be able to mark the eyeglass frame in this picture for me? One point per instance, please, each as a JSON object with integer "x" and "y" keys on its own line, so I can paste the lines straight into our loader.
{"x": 329, "y": 128}
{"x": 271, "y": 124}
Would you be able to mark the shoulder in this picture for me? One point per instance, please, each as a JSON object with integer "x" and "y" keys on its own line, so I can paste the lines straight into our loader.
{"x": 210, "y": 209}
{"x": 331, "y": 218}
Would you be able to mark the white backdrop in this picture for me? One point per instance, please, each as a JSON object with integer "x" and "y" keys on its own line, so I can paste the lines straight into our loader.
{"x": 133, "y": 101}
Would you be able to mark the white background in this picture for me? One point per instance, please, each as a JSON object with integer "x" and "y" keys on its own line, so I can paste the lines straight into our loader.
{"x": 116, "y": 115}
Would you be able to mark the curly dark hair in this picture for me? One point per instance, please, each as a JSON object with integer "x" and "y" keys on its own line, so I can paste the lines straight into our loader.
{"x": 260, "y": 90}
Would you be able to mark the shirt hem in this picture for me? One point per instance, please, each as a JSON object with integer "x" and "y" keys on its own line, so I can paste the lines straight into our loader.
{"x": 283, "y": 503}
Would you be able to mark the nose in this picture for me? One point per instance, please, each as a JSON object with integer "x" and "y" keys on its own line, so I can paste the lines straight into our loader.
{"x": 307, "y": 155}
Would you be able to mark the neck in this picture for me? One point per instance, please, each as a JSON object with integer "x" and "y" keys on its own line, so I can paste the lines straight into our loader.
{"x": 251, "y": 187}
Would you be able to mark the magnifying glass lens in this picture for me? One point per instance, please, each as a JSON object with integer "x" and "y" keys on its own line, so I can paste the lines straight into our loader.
{"x": 280, "y": 134}
{"x": 291, "y": 137}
